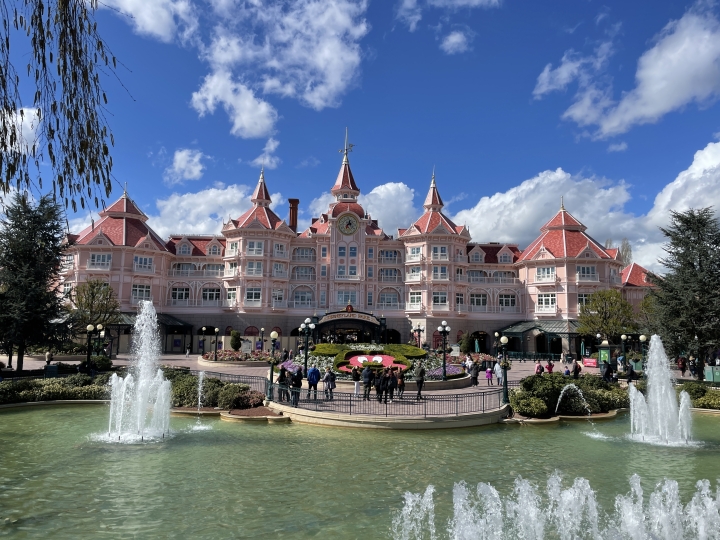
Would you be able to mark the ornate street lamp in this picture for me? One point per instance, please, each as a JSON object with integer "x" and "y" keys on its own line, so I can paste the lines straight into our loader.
{"x": 203, "y": 339}
{"x": 497, "y": 336}
{"x": 273, "y": 337}
{"x": 643, "y": 339}
{"x": 504, "y": 366}
{"x": 418, "y": 331}
{"x": 306, "y": 329}
{"x": 444, "y": 330}
{"x": 623, "y": 339}
{"x": 262, "y": 339}
{"x": 90, "y": 330}
{"x": 217, "y": 330}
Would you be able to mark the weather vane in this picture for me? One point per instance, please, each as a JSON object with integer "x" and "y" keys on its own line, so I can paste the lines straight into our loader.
{"x": 348, "y": 146}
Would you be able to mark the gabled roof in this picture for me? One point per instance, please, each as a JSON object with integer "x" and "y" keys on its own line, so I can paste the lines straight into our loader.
{"x": 260, "y": 215}
{"x": 433, "y": 201}
{"x": 433, "y": 219}
{"x": 199, "y": 244}
{"x": 635, "y": 275}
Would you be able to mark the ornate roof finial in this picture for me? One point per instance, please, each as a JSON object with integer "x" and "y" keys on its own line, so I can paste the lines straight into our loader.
{"x": 125, "y": 190}
{"x": 348, "y": 147}
{"x": 562, "y": 204}
{"x": 432, "y": 181}
{"x": 262, "y": 171}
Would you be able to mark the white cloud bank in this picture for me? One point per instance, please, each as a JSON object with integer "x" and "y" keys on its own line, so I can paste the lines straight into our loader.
{"x": 162, "y": 19}
{"x": 681, "y": 68}
{"x": 187, "y": 165}
{"x": 410, "y": 11}
{"x": 268, "y": 159}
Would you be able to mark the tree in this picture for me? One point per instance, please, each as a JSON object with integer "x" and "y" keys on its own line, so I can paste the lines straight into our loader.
{"x": 647, "y": 318}
{"x": 467, "y": 343}
{"x": 687, "y": 296}
{"x": 95, "y": 302}
{"x": 235, "y": 340}
{"x": 66, "y": 126}
{"x": 31, "y": 244}
{"x": 625, "y": 254}
{"x": 606, "y": 313}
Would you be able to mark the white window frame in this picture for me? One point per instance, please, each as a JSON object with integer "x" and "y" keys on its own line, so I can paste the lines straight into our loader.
{"x": 346, "y": 297}
{"x": 184, "y": 249}
{"x": 253, "y": 294}
{"x": 352, "y": 252}
{"x": 341, "y": 270}
{"x": 254, "y": 247}
{"x": 214, "y": 250}
{"x": 342, "y": 251}
{"x": 546, "y": 301}
{"x": 505, "y": 258}
{"x": 439, "y": 298}
{"x": 440, "y": 253}
{"x": 253, "y": 268}
{"x": 545, "y": 273}
{"x": 211, "y": 294}
{"x": 478, "y": 299}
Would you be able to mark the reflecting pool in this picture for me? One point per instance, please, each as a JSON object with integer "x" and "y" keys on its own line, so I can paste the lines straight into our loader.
{"x": 227, "y": 480}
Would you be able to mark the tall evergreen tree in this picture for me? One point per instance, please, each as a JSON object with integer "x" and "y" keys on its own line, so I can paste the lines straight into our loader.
{"x": 31, "y": 244}
{"x": 687, "y": 296}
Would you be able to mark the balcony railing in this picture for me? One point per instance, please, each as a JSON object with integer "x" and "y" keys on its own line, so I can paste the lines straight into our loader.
{"x": 389, "y": 278}
{"x": 479, "y": 279}
{"x": 587, "y": 277}
{"x": 414, "y": 306}
{"x": 253, "y": 272}
{"x": 389, "y": 305}
{"x": 348, "y": 278}
{"x": 254, "y": 252}
{"x": 98, "y": 265}
{"x": 508, "y": 309}
{"x": 231, "y": 252}
{"x": 303, "y": 277}
{"x": 506, "y": 280}
{"x": 461, "y": 259}
{"x": 413, "y": 277}
{"x": 439, "y": 277}
{"x": 215, "y": 303}
{"x": 144, "y": 268}
{"x": 441, "y": 307}
{"x": 545, "y": 309}
{"x": 440, "y": 257}
{"x": 252, "y": 303}
{"x": 230, "y": 272}
{"x": 280, "y": 274}
{"x": 279, "y": 304}
{"x": 479, "y": 309}
{"x": 280, "y": 254}
{"x": 388, "y": 260}
{"x": 461, "y": 278}
{"x": 66, "y": 267}
{"x": 303, "y": 304}
{"x": 180, "y": 302}
{"x": 229, "y": 303}
{"x": 615, "y": 280}
{"x": 544, "y": 278}
{"x": 304, "y": 258}
{"x": 412, "y": 257}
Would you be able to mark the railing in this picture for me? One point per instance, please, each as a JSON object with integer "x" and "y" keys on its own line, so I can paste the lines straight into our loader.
{"x": 303, "y": 277}
{"x": 389, "y": 305}
{"x": 348, "y": 278}
{"x": 144, "y": 268}
{"x": 302, "y": 304}
{"x": 441, "y": 307}
{"x": 461, "y": 278}
{"x": 491, "y": 279}
{"x": 279, "y": 304}
{"x": 388, "y": 260}
{"x": 430, "y": 405}
{"x": 259, "y": 384}
{"x": 439, "y": 277}
{"x": 253, "y": 272}
{"x": 280, "y": 254}
{"x": 279, "y": 274}
{"x": 532, "y": 356}
{"x": 587, "y": 277}
{"x": 179, "y": 302}
{"x": 135, "y": 300}
{"x": 196, "y": 273}
{"x": 230, "y": 272}
{"x": 231, "y": 252}
{"x": 414, "y": 306}
{"x": 413, "y": 277}
{"x": 304, "y": 258}
{"x": 414, "y": 257}
{"x": 508, "y": 309}
{"x": 544, "y": 278}
{"x": 545, "y": 309}
{"x": 440, "y": 257}
{"x": 461, "y": 259}
{"x": 98, "y": 266}
{"x": 229, "y": 303}
{"x": 65, "y": 267}
{"x": 506, "y": 280}
{"x": 215, "y": 303}
{"x": 254, "y": 252}
{"x": 389, "y": 279}
{"x": 479, "y": 279}
{"x": 252, "y": 303}
{"x": 480, "y": 309}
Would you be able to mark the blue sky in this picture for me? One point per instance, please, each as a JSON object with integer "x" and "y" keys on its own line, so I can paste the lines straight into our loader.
{"x": 611, "y": 104}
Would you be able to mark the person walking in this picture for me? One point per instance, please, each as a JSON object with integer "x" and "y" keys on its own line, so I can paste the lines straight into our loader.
{"x": 313, "y": 378}
{"x": 401, "y": 382}
{"x": 539, "y": 370}
{"x": 187, "y": 351}
{"x": 392, "y": 384}
{"x": 356, "y": 379}
{"x": 368, "y": 376}
{"x": 576, "y": 369}
{"x": 297, "y": 379}
{"x": 285, "y": 355}
{"x": 498, "y": 373}
{"x": 419, "y": 379}
{"x": 682, "y": 365}
{"x": 474, "y": 373}
{"x": 282, "y": 384}
{"x": 489, "y": 376}
{"x": 328, "y": 384}
{"x": 549, "y": 366}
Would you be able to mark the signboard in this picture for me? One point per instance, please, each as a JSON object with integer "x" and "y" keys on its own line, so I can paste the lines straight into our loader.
{"x": 589, "y": 362}
{"x": 201, "y": 344}
{"x": 246, "y": 346}
{"x": 455, "y": 350}
{"x": 348, "y": 315}
{"x": 176, "y": 343}
{"x": 604, "y": 355}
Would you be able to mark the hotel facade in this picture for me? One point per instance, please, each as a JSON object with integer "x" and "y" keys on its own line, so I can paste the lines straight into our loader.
{"x": 262, "y": 273}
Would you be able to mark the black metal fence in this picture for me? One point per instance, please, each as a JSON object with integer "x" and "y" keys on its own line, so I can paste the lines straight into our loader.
{"x": 407, "y": 405}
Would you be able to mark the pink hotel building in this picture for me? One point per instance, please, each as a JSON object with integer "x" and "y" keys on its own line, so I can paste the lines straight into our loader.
{"x": 262, "y": 273}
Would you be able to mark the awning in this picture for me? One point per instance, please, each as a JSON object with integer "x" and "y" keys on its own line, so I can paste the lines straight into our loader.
{"x": 128, "y": 319}
{"x": 564, "y": 327}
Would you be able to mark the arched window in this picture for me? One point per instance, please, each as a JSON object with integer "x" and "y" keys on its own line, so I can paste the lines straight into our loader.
{"x": 251, "y": 331}
{"x": 505, "y": 258}
{"x": 214, "y": 250}
{"x": 184, "y": 249}
{"x": 278, "y": 330}
{"x": 228, "y": 330}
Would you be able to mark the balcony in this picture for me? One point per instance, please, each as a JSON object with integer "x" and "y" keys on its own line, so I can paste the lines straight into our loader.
{"x": 210, "y": 303}
{"x": 479, "y": 279}
{"x": 348, "y": 278}
{"x": 229, "y": 303}
{"x": 545, "y": 278}
{"x": 231, "y": 252}
{"x": 280, "y": 254}
{"x": 98, "y": 265}
{"x": 282, "y": 274}
{"x": 389, "y": 260}
{"x": 614, "y": 280}
{"x": 441, "y": 307}
{"x": 135, "y": 300}
{"x": 439, "y": 277}
{"x": 546, "y": 309}
{"x": 479, "y": 309}
{"x": 252, "y": 303}
{"x": 389, "y": 305}
{"x": 587, "y": 277}
{"x": 508, "y": 309}
{"x": 414, "y": 306}
{"x": 279, "y": 304}
{"x": 303, "y": 277}
{"x": 461, "y": 259}
{"x": 389, "y": 278}
{"x": 440, "y": 257}
{"x": 254, "y": 252}
{"x": 180, "y": 302}
{"x": 507, "y": 280}
{"x": 230, "y": 272}
{"x": 302, "y": 304}
{"x": 413, "y": 257}
{"x": 144, "y": 268}
{"x": 303, "y": 258}
{"x": 413, "y": 277}
{"x": 254, "y": 272}
{"x": 67, "y": 267}
{"x": 461, "y": 278}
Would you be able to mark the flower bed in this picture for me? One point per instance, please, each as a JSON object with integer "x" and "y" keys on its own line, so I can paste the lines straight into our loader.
{"x": 227, "y": 355}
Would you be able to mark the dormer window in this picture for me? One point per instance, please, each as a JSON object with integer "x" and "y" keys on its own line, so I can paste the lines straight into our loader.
{"x": 346, "y": 196}
{"x": 475, "y": 257}
{"x": 214, "y": 250}
{"x": 504, "y": 258}
{"x": 184, "y": 249}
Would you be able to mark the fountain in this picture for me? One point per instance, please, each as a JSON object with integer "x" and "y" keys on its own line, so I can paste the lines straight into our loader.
{"x": 578, "y": 392}
{"x": 140, "y": 402}
{"x": 658, "y": 419}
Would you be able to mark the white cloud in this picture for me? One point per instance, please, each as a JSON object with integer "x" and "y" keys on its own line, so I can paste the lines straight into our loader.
{"x": 392, "y": 205}
{"x": 618, "y": 147}
{"x": 187, "y": 165}
{"x": 251, "y": 117}
{"x": 267, "y": 159}
{"x": 161, "y": 19}
{"x": 455, "y": 42}
{"x": 26, "y": 124}
{"x": 410, "y": 11}
{"x": 310, "y": 161}
{"x": 682, "y": 67}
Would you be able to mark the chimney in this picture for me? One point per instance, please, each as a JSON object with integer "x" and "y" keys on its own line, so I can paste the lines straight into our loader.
{"x": 294, "y": 203}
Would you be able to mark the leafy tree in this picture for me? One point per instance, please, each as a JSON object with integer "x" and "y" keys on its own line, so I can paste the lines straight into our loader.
{"x": 626, "y": 254}
{"x": 647, "y": 317}
{"x": 95, "y": 302}
{"x": 606, "y": 313}
{"x": 31, "y": 244}
{"x": 687, "y": 296}
{"x": 65, "y": 127}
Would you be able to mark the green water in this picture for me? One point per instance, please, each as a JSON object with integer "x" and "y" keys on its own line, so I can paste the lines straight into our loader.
{"x": 295, "y": 481}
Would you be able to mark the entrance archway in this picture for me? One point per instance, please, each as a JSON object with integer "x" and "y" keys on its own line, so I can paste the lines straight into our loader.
{"x": 541, "y": 344}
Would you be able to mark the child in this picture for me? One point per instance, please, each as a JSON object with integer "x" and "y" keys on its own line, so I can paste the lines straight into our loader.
{"x": 489, "y": 376}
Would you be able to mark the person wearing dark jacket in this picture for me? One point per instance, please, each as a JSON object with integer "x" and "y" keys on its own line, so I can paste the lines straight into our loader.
{"x": 368, "y": 376}
{"x": 401, "y": 383}
{"x": 378, "y": 386}
{"x": 419, "y": 379}
{"x": 474, "y": 373}
{"x": 356, "y": 379}
{"x": 297, "y": 379}
{"x": 313, "y": 378}
{"x": 283, "y": 384}
{"x": 392, "y": 385}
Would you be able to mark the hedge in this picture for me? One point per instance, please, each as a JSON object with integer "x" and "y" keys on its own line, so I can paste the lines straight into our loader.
{"x": 527, "y": 405}
{"x": 711, "y": 400}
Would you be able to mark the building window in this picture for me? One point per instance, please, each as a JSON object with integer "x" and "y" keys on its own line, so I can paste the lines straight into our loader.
{"x": 388, "y": 299}
{"x": 231, "y": 294}
{"x": 278, "y": 270}
{"x": 505, "y": 258}
{"x": 369, "y": 298}
{"x": 177, "y": 293}
{"x": 305, "y": 273}
{"x": 323, "y": 252}
{"x": 475, "y": 257}
{"x": 440, "y": 253}
{"x": 214, "y": 250}
{"x": 545, "y": 273}
{"x": 254, "y": 247}
{"x": 323, "y": 271}
{"x": 100, "y": 260}
{"x": 211, "y": 294}
{"x": 414, "y": 272}
{"x": 342, "y": 251}
{"x": 233, "y": 247}
{"x": 546, "y": 301}
{"x": 304, "y": 254}
{"x": 278, "y": 296}
{"x": 508, "y": 300}
{"x": 303, "y": 298}
{"x": 440, "y": 272}
{"x": 353, "y": 251}
{"x": 478, "y": 299}
{"x": 371, "y": 271}
{"x": 352, "y": 270}
{"x": 140, "y": 292}
{"x": 415, "y": 254}
{"x": 253, "y": 268}
{"x": 583, "y": 298}
{"x": 184, "y": 249}
{"x": 323, "y": 298}
{"x": 143, "y": 263}
{"x": 232, "y": 268}
{"x": 459, "y": 299}
{"x": 439, "y": 298}
{"x": 416, "y": 298}
{"x": 280, "y": 250}
{"x": 586, "y": 273}
{"x": 346, "y": 297}
{"x": 67, "y": 290}
{"x": 253, "y": 294}
{"x": 371, "y": 253}
{"x": 341, "y": 270}
{"x": 67, "y": 261}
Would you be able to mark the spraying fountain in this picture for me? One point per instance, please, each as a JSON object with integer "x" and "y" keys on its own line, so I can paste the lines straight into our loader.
{"x": 658, "y": 419}
{"x": 140, "y": 402}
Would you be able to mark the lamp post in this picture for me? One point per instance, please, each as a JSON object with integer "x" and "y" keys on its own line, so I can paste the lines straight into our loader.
{"x": 203, "y": 340}
{"x": 306, "y": 329}
{"x": 90, "y": 329}
{"x": 418, "y": 331}
{"x": 273, "y": 337}
{"x": 643, "y": 339}
{"x": 262, "y": 339}
{"x": 217, "y": 330}
{"x": 623, "y": 339}
{"x": 504, "y": 366}
{"x": 497, "y": 336}
{"x": 444, "y": 330}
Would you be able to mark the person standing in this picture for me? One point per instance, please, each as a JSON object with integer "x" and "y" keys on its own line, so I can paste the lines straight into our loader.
{"x": 297, "y": 378}
{"x": 682, "y": 365}
{"x": 356, "y": 379}
{"x": 368, "y": 376}
{"x": 285, "y": 355}
{"x": 378, "y": 386}
{"x": 549, "y": 366}
{"x": 313, "y": 378}
{"x": 401, "y": 382}
{"x": 328, "y": 384}
{"x": 187, "y": 351}
{"x": 576, "y": 369}
{"x": 392, "y": 384}
{"x": 419, "y": 379}
{"x": 474, "y": 373}
{"x": 538, "y": 368}
{"x": 489, "y": 376}
{"x": 498, "y": 373}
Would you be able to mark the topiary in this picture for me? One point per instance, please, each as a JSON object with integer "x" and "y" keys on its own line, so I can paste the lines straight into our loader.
{"x": 695, "y": 390}
{"x": 526, "y": 405}
{"x": 235, "y": 340}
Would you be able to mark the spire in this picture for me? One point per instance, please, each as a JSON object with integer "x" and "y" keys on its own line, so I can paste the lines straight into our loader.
{"x": 345, "y": 182}
{"x": 433, "y": 201}
{"x": 260, "y": 196}
{"x": 562, "y": 204}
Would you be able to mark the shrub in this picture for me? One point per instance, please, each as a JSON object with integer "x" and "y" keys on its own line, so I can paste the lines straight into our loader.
{"x": 408, "y": 351}
{"x": 235, "y": 340}
{"x": 573, "y": 404}
{"x": 211, "y": 391}
{"x": 77, "y": 380}
{"x": 696, "y": 390}
{"x": 328, "y": 349}
{"x": 230, "y": 396}
{"x": 526, "y": 405}
{"x": 250, "y": 400}
{"x": 711, "y": 400}
{"x": 102, "y": 379}
{"x": 591, "y": 382}
{"x": 184, "y": 391}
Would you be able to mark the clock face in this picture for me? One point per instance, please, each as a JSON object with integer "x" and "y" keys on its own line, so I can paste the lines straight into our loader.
{"x": 348, "y": 224}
